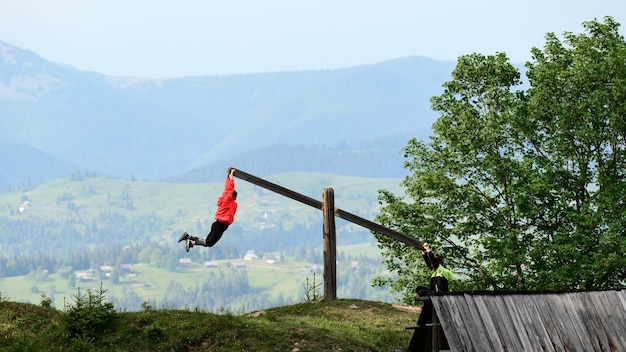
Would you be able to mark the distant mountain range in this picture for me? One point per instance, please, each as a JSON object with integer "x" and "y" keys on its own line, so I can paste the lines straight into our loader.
{"x": 351, "y": 121}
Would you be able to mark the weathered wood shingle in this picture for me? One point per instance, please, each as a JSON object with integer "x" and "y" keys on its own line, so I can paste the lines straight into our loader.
{"x": 568, "y": 321}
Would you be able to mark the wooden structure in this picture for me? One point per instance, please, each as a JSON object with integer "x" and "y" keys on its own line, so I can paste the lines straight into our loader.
{"x": 327, "y": 206}
{"x": 579, "y": 321}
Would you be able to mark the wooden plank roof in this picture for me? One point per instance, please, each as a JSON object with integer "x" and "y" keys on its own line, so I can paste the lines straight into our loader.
{"x": 522, "y": 321}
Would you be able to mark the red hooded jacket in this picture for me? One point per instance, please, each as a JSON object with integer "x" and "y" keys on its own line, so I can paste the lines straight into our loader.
{"x": 226, "y": 205}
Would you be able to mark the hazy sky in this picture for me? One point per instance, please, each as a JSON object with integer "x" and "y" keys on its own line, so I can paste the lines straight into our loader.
{"x": 162, "y": 38}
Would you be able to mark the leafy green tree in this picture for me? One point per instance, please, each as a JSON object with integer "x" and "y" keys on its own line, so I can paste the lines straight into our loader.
{"x": 521, "y": 189}
{"x": 578, "y": 147}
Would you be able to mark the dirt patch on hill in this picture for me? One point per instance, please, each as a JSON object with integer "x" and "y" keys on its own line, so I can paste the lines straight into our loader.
{"x": 412, "y": 309}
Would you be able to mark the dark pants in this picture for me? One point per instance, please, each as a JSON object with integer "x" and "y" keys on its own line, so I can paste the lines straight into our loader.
{"x": 423, "y": 291}
{"x": 217, "y": 230}
{"x": 437, "y": 284}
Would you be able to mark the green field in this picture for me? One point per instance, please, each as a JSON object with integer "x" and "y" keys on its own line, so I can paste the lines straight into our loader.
{"x": 184, "y": 206}
{"x": 285, "y": 278}
{"x": 81, "y": 204}
{"x": 341, "y": 325}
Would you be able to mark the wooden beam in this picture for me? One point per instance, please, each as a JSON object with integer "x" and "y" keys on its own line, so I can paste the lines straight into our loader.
{"x": 411, "y": 241}
{"x": 278, "y": 189}
{"x": 338, "y": 212}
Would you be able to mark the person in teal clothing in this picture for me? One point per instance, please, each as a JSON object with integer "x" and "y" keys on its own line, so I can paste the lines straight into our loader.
{"x": 441, "y": 276}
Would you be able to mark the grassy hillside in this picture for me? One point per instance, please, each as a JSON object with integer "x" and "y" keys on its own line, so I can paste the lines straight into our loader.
{"x": 70, "y": 219}
{"x": 286, "y": 279}
{"x": 343, "y": 325}
{"x": 82, "y": 201}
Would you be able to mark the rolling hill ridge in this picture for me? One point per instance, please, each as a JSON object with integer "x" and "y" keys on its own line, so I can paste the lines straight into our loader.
{"x": 158, "y": 128}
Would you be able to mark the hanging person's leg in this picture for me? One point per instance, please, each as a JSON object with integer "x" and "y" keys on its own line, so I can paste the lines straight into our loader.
{"x": 183, "y": 237}
{"x": 194, "y": 241}
{"x": 217, "y": 230}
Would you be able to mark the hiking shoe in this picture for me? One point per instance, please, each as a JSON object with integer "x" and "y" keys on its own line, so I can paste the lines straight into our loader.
{"x": 183, "y": 237}
{"x": 189, "y": 244}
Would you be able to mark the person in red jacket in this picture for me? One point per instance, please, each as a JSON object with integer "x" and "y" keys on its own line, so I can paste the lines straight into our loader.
{"x": 224, "y": 216}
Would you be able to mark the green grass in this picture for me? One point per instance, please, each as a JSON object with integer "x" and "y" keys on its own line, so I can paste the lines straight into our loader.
{"x": 183, "y": 205}
{"x": 150, "y": 283}
{"x": 342, "y": 325}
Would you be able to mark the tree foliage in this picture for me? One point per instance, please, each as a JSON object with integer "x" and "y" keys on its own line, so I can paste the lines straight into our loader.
{"x": 521, "y": 189}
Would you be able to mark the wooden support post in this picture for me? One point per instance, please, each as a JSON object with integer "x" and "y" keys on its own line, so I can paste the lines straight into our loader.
{"x": 436, "y": 332}
{"x": 330, "y": 245}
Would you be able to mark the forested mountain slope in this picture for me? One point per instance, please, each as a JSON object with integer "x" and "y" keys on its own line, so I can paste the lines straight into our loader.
{"x": 157, "y": 128}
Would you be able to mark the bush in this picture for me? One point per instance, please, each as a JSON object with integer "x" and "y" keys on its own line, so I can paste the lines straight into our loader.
{"x": 154, "y": 332}
{"x": 89, "y": 317}
{"x": 311, "y": 291}
{"x": 46, "y": 301}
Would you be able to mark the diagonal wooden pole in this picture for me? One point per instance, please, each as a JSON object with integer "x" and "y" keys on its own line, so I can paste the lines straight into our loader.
{"x": 327, "y": 206}
{"x": 413, "y": 242}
